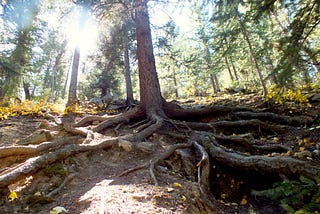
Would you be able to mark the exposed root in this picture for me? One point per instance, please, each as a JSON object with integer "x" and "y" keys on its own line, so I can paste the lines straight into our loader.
{"x": 269, "y": 116}
{"x": 280, "y": 164}
{"x": 128, "y": 171}
{"x": 34, "y": 164}
{"x": 37, "y": 149}
{"x": 164, "y": 156}
{"x": 62, "y": 185}
{"x": 175, "y": 111}
{"x": 203, "y": 169}
{"x": 117, "y": 119}
{"x": 89, "y": 119}
{"x": 244, "y": 145}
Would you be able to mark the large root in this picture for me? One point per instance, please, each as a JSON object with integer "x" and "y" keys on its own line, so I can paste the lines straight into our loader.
{"x": 233, "y": 141}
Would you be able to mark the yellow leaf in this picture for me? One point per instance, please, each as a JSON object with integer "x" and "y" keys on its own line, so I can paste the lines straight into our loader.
{"x": 58, "y": 210}
{"x": 223, "y": 196}
{"x": 183, "y": 198}
{"x": 176, "y": 185}
{"x": 12, "y": 196}
{"x": 244, "y": 200}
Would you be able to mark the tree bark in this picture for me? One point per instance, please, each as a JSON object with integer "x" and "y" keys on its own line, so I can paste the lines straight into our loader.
{"x": 127, "y": 74}
{"x": 151, "y": 100}
{"x": 229, "y": 69}
{"x": 74, "y": 77}
{"x": 26, "y": 89}
{"x": 246, "y": 37}
{"x": 234, "y": 70}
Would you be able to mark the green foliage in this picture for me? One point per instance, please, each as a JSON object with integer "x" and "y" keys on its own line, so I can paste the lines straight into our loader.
{"x": 296, "y": 196}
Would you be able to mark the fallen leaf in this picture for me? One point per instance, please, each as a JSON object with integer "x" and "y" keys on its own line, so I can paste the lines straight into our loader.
{"x": 176, "y": 185}
{"x": 244, "y": 200}
{"x": 57, "y": 210}
{"x": 12, "y": 196}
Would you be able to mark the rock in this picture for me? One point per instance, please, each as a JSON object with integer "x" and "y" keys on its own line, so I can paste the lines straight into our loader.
{"x": 126, "y": 145}
{"x": 146, "y": 147}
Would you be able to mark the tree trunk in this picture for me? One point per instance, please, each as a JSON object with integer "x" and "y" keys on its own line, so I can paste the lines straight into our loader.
{"x": 74, "y": 77}
{"x": 175, "y": 83}
{"x": 214, "y": 86}
{"x": 26, "y": 88}
{"x": 217, "y": 82}
{"x": 246, "y": 37}
{"x": 229, "y": 69}
{"x": 234, "y": 70}
{"x": 151, "y": 100}
{"x": 127, "y": 74}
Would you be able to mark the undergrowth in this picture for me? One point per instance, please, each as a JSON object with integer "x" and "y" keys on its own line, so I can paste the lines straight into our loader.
{"x": 281, "y": 95}
{"x": 296, "y": 196}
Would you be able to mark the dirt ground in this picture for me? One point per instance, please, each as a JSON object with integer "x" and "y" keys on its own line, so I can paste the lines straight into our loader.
{"x": 90, "y": 182}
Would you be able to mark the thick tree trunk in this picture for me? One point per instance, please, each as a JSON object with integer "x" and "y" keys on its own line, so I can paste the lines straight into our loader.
{"x": 151, "y": 100}
{"x": 127, "y": 74}
{"x": 74, "y": 77}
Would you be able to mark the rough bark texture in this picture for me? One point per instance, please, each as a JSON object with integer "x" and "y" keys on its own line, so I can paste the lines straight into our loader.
{"x": 150, "y": 94}
{"x": 127, "y": 75}
{"x": 74, "y": 77}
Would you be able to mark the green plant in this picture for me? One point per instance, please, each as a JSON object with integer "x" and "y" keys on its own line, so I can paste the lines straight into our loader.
{"x": 296, "y": 196}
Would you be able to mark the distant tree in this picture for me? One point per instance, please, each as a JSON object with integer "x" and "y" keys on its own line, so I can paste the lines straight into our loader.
{"x": 19, "y": 17}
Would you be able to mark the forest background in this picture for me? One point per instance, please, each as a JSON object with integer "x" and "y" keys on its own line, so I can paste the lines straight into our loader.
{"x": 71, "y": 54}
{"x": 217, "y": 45}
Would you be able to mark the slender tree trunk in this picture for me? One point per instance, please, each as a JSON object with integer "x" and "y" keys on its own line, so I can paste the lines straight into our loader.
{"x": 214, "y": 84}
{"x": 151, "y": 100}
{"x": 229, "y": 69}
{"x": 175, "y": 83}
{"x": 234, "y": 70}
{"x": 258, "y": 70}
{"x": 26, "y": 88}
{"x": 127, "y": 75}
{"x": 2, "y": 93}
{"x": 72, "y": 98}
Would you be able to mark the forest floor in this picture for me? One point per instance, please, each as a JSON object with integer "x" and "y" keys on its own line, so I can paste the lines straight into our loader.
{"x": 91, "y": 182}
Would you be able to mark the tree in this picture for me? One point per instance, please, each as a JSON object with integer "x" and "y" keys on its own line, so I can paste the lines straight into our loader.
{"x": 72, "y": 97}
{"x": 221, "y": 139}
{"x": 19, "y": 20}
